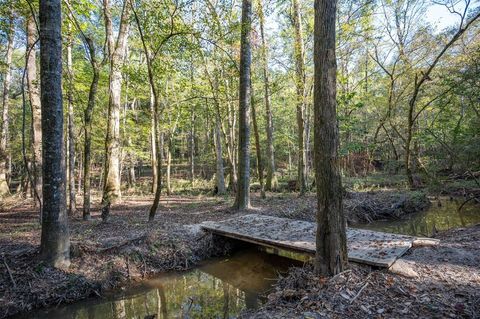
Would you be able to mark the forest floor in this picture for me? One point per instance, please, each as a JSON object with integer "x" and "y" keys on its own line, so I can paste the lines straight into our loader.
{"x": 127, "y": 247}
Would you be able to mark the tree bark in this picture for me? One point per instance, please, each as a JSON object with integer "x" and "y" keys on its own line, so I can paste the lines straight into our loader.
{"x": 271, "y": 182}
{"x": 35, "y": 103}
{"x": 331, "y": 242}
{"x": 300, "y": 88}
{"x": 4, "y": 189}
{"x": 116, "y": 50}
{"x": 71, "y": 127}
{"x": 242, "y": 200}
{"x": 55, "y": 242}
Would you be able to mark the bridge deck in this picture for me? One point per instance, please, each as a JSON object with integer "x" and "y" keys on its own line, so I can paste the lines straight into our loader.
{"x": 364, "y": 246}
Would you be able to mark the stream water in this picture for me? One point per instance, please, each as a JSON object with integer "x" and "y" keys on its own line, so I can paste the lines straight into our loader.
{"x": 442, "y": 215}
{"x": 222, "y": 288}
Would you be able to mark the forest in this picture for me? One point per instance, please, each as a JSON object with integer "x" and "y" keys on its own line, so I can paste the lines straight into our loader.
{"x": 239, "y": 159}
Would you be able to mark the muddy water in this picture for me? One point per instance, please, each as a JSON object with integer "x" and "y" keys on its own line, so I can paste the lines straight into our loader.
{"x": 221, "y": 288}
{"x": 442, "y": 215}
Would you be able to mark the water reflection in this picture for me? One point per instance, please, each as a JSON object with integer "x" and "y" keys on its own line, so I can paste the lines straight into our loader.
{"x": 442, "y": 215}
{"x": 219, "y": 289}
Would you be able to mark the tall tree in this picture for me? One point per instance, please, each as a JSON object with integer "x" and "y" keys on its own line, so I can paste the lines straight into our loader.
{"x": 88, "y": 112}
{"x": 71, "y": 124}
{"x": 420, "y": 80}
{"x": 55, "y": 242}
{"x": 153, "y": 143}
{"x": 258, "y": 150}
{"x": 242, "y": 200}
{"x": 299, "y": 57}
{"x": 156, "y": 134}
{"x": 331, "y": 241}
{"x": 116, "y": 51}
{"x": 271, "y": 180}
{"x": 4, "y": 189}
{"x": 35, "y": 104}
{"x": 220, "y": 176}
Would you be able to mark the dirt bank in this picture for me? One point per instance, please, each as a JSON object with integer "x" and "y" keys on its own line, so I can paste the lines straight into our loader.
{"x": 442, "y": 282}
{"x": 360, "y": 207}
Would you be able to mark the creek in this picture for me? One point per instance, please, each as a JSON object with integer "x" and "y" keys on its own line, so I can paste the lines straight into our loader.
{"x": 223, "y": 287}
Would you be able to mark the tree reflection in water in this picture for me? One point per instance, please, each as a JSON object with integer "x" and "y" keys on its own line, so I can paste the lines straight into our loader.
{"x": 219, "y": 289}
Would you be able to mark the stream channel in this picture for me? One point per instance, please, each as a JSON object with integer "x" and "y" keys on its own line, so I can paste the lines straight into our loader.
{"x": 223, "y": 287}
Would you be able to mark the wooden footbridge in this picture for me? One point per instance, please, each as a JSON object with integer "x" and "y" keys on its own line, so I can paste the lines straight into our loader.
{"x": 364, "y": 246}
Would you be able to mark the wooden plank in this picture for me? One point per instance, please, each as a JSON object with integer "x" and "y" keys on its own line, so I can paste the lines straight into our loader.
{"x": 364, "y": 246}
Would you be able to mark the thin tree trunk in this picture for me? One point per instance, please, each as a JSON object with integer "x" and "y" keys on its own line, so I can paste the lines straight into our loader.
{"x": 116, "y": 50}
{"x": 191, "y": 145}
{"x": 271, "y": 182}
{"x": 257, "y": 147}
{"x": 88, "y": 113}
{"x": 300, "y": 87}
{"x": 153, "y": 144}
{"x": 331, "y": 241}
{"x": 55, "y": 242}
{"x": 4, "y": 157}
{"x": 71, "y": 127}
{"x": 220, "y": 175}
{"x": 156, "y": 122}
{"x": 87, "y": 183}
{"x": 33, "y": 91}
{"x": 230, "y": 141}
{"x": 169, "y": 166}
{"x": 242, "y": 200}
{"x": 80, "y": 170}
{"x": 159, "y": 147}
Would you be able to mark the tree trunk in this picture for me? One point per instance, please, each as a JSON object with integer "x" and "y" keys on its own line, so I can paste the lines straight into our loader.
{"x": 116, "y": 50}
{"x": 33, "y": 91}
{"x": 300, "y": 87}
{"x": 257, "y": 147}
{"x": 88, "y": 137}
{"x": 158, "y": 137}
{"x": 191, "y": 145}
{"x": 219, "y": 159}
{"x": 169, "y": 165}
{"x": 271, "y": 182}
{"x": 242, "y": 200}
{"x": 230, "y": 141}
{"x": 4, "y": 189}
{"x": 153, "y": 144}
{"x": 159, "y": 147}
{"x": 220, "y": 173}
{"x": 331, "y": 241}
{"x": 55, "y": 242}
{"x": 71, "y": 127}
